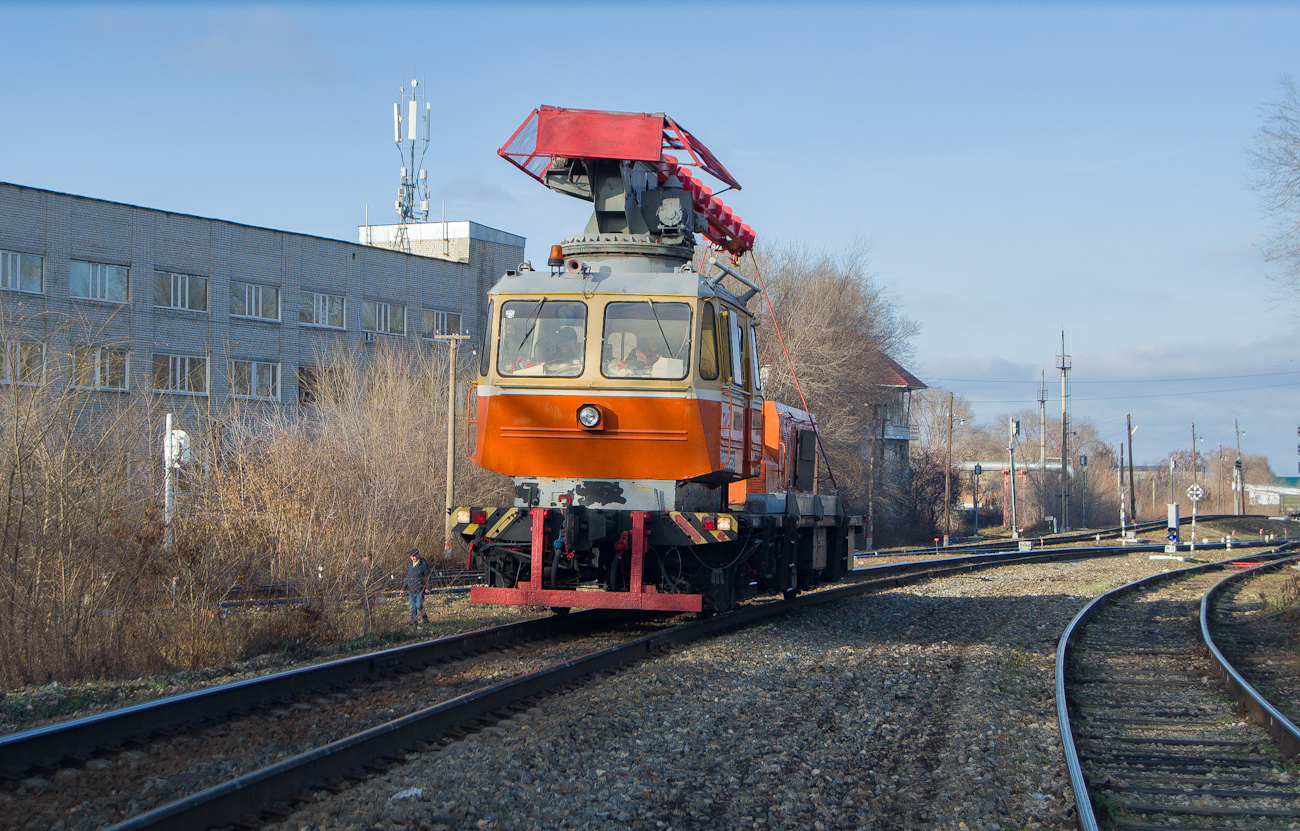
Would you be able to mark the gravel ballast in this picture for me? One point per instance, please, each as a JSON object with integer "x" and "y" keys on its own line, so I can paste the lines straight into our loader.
{"x": 923, "y": 707}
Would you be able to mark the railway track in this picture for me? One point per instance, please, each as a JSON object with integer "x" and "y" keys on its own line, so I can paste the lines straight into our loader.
{"x": 326, "y": 757}
{"x": 1253, "y": 629}
{"x": 1078, "y": 537}
{"x": 1151, "y": 741}
{"x": 114, "y": 764}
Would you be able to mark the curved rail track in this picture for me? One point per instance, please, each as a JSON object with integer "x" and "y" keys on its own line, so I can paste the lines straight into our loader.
{"x": 1150, "y": 741}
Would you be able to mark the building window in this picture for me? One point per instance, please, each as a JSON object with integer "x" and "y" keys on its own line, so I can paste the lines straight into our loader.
{"x": 315, "y": 382}
{"x": 440, "y": 323}
{"x": 180, "y": 291}
{"x": 180, "y": 373}
{"x": 252, "y": 300}
{"x": 100, "y": 368}
{"x": 255, "y": 379}
{"x": 22, "y": 272}
{"x": 389, "y": 318}
{"x": 321, "y": 310}
{"x": 24, "y": 363}
{"x": 96, "y": 281}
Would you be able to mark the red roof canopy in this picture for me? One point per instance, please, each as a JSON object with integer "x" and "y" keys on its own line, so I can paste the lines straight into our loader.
{"x": 601, "y": 134}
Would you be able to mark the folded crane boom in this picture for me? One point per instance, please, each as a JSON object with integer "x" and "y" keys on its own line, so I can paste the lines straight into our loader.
{"x": 615, "y": 159}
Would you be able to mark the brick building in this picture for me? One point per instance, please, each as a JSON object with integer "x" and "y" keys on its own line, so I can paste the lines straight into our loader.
{"x": 144, "y": 300}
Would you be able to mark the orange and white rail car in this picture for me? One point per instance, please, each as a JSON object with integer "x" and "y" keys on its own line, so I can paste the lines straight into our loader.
{"x": 620, "y": 390}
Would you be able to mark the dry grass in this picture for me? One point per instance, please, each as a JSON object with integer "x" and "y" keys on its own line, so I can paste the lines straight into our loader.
{"x": 274, "y": 509}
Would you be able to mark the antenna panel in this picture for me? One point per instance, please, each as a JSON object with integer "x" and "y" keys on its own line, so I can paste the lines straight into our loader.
{"x": 397, "y": 123}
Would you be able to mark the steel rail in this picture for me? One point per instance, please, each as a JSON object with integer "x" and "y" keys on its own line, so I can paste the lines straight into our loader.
{"x": 50, "y": 744}
{"x": 254, "y": 792}
{"x": 1282, "y": 729}
{"x": 1075, "y": 536}
{"x": 1087, "y": 819}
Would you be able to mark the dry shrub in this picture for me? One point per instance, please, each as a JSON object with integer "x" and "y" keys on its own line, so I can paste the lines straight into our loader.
{"x": 273, "y": 517}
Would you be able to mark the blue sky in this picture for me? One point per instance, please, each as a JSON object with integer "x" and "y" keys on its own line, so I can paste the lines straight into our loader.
{"x": 1017, "y": 169}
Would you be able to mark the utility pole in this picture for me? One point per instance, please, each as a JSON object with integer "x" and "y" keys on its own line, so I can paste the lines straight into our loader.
{"x": 1013, "y": 430}
{"x": 169, "y": 486}
{"x": 1042, "y": 426}
{"x": 1064, "y": 366}
{"x": 453, "y": 341}
{"x": 1042, "y": 442}
{"x": 1132, "y": 488}
{"x": 1194, "y": 471}
{"x": 1119, "y": 488}
{"x": 871, "y": 483}
{"x": 947, "y": 477}
{"x": 1238, "y": 475}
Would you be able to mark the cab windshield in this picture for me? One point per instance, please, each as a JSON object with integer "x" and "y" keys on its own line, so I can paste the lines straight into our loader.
{"x": 646, "y": 339}
{"x": 542, "y": 338}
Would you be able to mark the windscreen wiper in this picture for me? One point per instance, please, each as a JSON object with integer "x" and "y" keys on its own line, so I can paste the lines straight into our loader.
{"x": 534, "y": 318}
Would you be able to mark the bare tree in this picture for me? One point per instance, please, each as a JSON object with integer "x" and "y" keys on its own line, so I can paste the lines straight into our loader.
{"x": 1276, "y": 160}
{"x": 837, "y": 324}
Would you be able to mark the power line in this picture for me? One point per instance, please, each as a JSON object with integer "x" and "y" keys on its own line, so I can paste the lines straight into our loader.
{"x": 1130, "y": 380}
{"x": 1146, "y": 395}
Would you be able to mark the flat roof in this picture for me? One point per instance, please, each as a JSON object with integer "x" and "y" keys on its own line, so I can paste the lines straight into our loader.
{"x": 449, "y": 230}
{"x": 238, "y": 224}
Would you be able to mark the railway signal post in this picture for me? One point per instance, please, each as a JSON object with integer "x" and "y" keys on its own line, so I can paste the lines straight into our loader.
{"x": 1194, "y": 493}
{"x": 1171, "y": 531}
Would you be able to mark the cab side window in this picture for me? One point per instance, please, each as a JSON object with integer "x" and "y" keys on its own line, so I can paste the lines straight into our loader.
{"x": 734, "y": 353}
{"x": 484, "y": 355}
{"x": 708, "y": 344}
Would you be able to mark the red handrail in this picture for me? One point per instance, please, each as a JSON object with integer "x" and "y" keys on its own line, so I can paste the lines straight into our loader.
{"x": 471, "y": 416}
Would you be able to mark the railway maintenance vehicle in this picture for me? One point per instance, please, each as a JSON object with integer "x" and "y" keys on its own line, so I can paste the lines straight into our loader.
{"x": 620, "y": 388}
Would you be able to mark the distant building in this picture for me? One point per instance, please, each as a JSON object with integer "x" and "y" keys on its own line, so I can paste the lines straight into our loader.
{"x": 151, "y": 301}
{"x": 894, "y": 419}
{"x": 889, "y": 448}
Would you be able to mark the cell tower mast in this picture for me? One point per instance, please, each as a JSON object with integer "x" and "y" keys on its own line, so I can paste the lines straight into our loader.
{"x": 413, "y": 192}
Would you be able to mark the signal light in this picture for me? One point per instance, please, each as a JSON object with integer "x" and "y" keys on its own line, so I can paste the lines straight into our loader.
{"x": 724, "y": 523}
{"x": 556, "y": 260}
{"x": 479, "y": 517}
{"x": 462, "y": 516}
{"x": 709, "y": 523}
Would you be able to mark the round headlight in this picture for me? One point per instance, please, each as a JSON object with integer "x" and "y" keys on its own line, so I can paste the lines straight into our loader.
{"x": 588, "y": 416}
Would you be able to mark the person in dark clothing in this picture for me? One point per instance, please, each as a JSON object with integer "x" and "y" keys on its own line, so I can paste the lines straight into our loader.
{"x": 417, "y": 583}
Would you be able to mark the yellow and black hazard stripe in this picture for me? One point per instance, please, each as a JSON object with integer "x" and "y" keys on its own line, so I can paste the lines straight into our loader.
{"x": 696, "y": 526}
{"x": 496, "y": 523}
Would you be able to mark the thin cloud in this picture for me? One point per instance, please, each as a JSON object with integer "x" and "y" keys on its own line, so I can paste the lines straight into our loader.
{"x": 1245, "y": 248}
{"x": 476, "y": 191}
{"x": 261, "y": 38}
